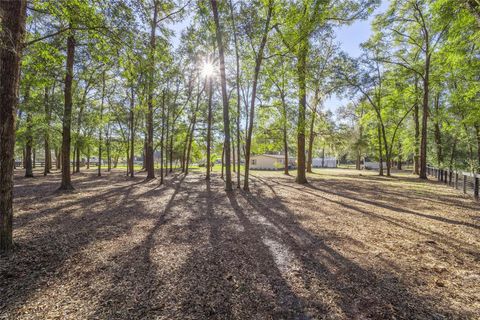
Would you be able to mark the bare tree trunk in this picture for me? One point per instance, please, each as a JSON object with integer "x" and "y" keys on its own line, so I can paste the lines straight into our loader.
{"x": 29, "y": 137}
{"x": 258, "y": 64}
{"x": 162, "y": 143}
{"x": 209, "y": 127}
{"x": 416, "y": 158}
{"x": 437, "y": 132}
{"x": 423, "y": 144}
{"x": 285, "y": 137}
{"x": 223, "y": 80}
{"x": 477, "y": 133}
{"x": 302, "y": 97}
{"x": 312, "y": 136}
{"x": 12, "y": 26}
{"x": 149, "y": 154}
{"x": 380, "y": 151}
{"x": 237, "y": 80}
{"x": 46, "y": 135}
{"x": 66, "y": 184}
{"x": 100, "y": 131}
{"x": 132, "y": 133}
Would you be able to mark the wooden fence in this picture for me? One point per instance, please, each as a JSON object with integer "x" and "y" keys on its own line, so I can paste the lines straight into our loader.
{"x": 467, "y": 181}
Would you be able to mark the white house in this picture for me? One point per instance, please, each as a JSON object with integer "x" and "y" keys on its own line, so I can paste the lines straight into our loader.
{"x": 270, "y": 162}
{"x": 330, "y": 162}
{"x": 373, "y": 165}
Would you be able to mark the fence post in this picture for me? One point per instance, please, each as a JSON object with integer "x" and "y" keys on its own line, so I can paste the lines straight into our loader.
{"x": 475, "y": 187}
{"x": 456, "y": 180}
{"x": 450, "y": 175}
{"x": 464, "y": 183}
{"x": 447, "y": 173}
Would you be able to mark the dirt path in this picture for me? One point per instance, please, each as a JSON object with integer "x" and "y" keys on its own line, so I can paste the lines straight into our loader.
{"x": 345, "y": 246}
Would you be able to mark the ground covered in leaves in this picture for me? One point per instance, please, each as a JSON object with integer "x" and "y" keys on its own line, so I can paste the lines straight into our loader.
{"x": 348, "y": 245}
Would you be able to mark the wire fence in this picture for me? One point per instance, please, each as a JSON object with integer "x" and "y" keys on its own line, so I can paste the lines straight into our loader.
{"x": 460, "y": 180}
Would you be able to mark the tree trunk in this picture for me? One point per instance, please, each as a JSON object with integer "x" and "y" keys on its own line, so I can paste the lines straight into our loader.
{"x": 380, "y": 152}
{"x": 209, "y": 127}
{"x": 12, "y": 26}
{"x": 29, "y": 137}
{"x": 162, "y": 138}
{"x": 416, "y": 158}
{"x": 477, "y": 133}
{"x": 149, "y": 154}
{"x": 132, "y": 134}
{"x": 258, "y": 64}
{"x": 100, "y": 131}
{"x": 285, "y": 137}
{"x": 46, "y": 135}
{"x": 423, "y": 144}
{"x": 223, "y": 80}
{"x": 312, "y": 136}
{"x": 437, "y": 132}
{"x": 302, "y": 102}
{"x": 237, "y": 82}
{"x": 66, "y": 184}
{"x": 88, "y": 156}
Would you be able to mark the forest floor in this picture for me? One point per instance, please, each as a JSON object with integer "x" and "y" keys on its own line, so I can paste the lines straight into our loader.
{"x": 348, "y": 245}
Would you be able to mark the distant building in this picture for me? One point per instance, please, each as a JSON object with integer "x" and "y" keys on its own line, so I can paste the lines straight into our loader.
{"x": 373, "y": 165}
{"x": 270, "y": 162}
{"x": 327, "y": 162}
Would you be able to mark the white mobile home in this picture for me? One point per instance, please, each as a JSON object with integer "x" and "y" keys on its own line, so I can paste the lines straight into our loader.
{"x": 330, "y": 162}
{"x": 373, "y": 165}
{"x": 270, "y": 162}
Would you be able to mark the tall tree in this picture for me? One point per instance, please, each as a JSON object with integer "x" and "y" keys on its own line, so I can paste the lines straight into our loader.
{"x": 12, "y": 30}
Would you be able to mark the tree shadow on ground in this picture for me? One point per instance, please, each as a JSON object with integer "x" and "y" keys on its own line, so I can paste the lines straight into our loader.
{"x": 61, "y": 235}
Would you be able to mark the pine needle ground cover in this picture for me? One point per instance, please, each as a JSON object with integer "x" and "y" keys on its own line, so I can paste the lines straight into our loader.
{"x": 348, "y": 245}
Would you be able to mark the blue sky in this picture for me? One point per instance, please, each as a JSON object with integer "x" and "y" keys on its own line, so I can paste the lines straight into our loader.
{"x": 350, "y": 37}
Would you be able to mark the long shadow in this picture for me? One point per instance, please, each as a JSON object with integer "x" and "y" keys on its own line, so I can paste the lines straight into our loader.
{"x": 134, "y": 277}
{"x": 401, "y": 210}
{"x": 458, "y": 245}
{"x": 361, "y": 293}
{"x": 42, "y": 255}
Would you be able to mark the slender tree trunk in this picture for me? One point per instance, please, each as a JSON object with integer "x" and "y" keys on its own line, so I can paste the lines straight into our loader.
{"x": 302, "y": 97}
{"x": 167, "y": 128}
{"x": 416, "y": 158}
{"x": 477, "y": 133}
{"x": 223, "y": 80}
{"x": 312, "y": 136}
{"x": 194, "y": 121}
{"x": 132, "y": 133}
{"x": 209, "y": 127}
{"x": 88, "y": 156}
{"x": 438, "y": 134}
{"x": 285, "y": 134}
{"x": 423, "y": 144}
{"x": 29, "y": 137}
{"x": 12, "y": 26}
{"x": 34, "y": 157}
{"x": 258, "y": 64}
{"x": 46, "y": 135}
{"x": 171, "y": 146}
{"x": 162, "y": 142}
{"x": 223, "y": 162}
{"x": 149, "y": 154}
{"x": 109, "y": 149}
{"x": 237, "y": 80}
{"x": 380, "y": 151}
{"x": 100, "y": 131}
{"x": 66, "y": 184}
